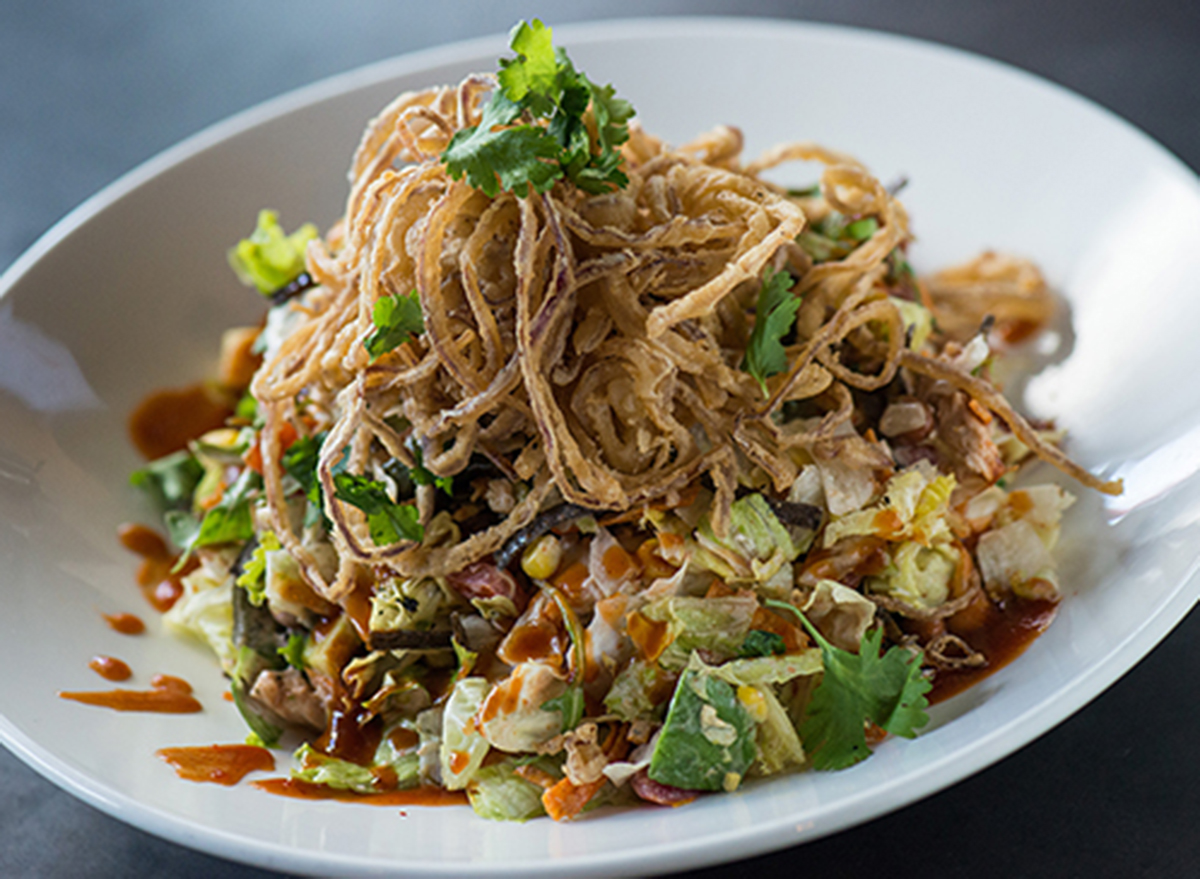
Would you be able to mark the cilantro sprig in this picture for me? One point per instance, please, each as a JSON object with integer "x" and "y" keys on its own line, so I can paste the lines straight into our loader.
{"x": 887, "y": 690}
{"x": 231, "y": 520}
{"x": 396, "y": 319}
{"x": 533, "y": 132}
{"x": 388, "y": 521}
{"x": 422, "y": 475}
{"x": 774, "y": 316}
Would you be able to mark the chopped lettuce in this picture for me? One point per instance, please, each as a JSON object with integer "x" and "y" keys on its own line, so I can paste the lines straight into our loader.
{"x": 1015, "y": 558}
{"x": 318, "y": 768}
{"x": 716, "y": 624}
{"x": 253, "y": 577}
{"x": 408, "y": 603}
{"x": 515, "y": 717}
{"x": 758, "y": 547}
{"x": 463, "y": 747}
{"x": 270, "y": 258}
{"x": 842, "y": 614}
{"x": 917, "y": 575}
{"x": 231, "y": 520}
{"x": 708, "y": 738}
{"x": 913, "y": 507}
{"x": 204, "y": 610}
{"x": 918, "y": 321}
{"x": 631, "y": 695}
{"x": 499, "y": 794}
{"x": 766, "y": 670}
{"x": 778, "y": 746}
{"x": 170, "y": 481}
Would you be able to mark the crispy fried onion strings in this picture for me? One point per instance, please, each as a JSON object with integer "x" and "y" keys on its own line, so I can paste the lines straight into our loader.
{"x": 589, "y": 347}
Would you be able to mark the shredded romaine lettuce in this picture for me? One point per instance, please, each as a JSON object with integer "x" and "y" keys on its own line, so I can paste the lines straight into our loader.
{"x": 499, "y": 794}
{"x": 463, "y": 747}
{"x": 708, "y": 739}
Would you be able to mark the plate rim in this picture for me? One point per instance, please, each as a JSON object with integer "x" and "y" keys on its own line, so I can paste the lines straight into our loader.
{"x": 995, "y": 745}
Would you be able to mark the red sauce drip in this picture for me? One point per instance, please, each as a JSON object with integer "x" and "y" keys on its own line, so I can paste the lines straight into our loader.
{"x": 418, "y": 796}
{"x": 403, "y": 739}
{"x": 533, "y": 642}
{"x": 351, "y": 734}
{"x": 357, "y": 606}
{"x": 218, "y": 764}
{"x": 125, "y": 623}
{"x": 110, "y": 669}
{"x": 650, "y": 636}
{"x": 168, "y": 695}
{"x": 850, "y": 560}
{"x": 160, "y": 586}
{"x": 165, "y": 421}
{"x": 1002, "y": 637}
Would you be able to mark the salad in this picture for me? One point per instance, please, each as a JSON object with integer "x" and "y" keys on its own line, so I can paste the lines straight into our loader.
{"x": 569, "y": 468}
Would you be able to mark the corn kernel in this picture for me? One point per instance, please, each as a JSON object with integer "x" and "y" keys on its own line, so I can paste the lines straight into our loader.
{"x": 541, "y": 558}
{"x": 754, "y": 703}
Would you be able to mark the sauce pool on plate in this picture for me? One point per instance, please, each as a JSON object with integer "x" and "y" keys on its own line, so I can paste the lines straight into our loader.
{"x": 125, "y": 623}
{"x": 217, "y": 764}
{"x": 110, "y": 668}
{"x": 417, "y": 796}
{"x": 167, "y": 695}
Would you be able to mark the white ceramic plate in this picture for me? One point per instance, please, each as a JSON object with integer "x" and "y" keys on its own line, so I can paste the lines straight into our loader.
{"x": 130, "y": 292}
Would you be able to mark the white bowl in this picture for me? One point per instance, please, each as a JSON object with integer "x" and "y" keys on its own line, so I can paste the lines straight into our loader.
{"x": 131, "y": 291}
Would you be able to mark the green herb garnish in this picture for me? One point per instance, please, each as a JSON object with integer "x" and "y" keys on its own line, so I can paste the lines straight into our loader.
{"x": 396, "y": 319}
{"x": 887, "y": 690}
{"x": 774, "y": 317}
{"x": 421, "y": 475}
{"x": 761, "y": 643}
{"x": 387, "y": 521}
{"x": 170, "y": 481}
{"x": 511, "y": 150}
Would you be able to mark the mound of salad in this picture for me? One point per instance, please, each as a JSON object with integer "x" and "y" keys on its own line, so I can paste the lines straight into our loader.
{"x": 569, "y": 468}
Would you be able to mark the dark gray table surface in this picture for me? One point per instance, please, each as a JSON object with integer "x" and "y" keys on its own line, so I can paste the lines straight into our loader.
{"x": 88, "y": 90}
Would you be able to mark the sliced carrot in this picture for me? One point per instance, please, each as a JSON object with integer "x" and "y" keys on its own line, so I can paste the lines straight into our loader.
{"x": 566, "y": 800}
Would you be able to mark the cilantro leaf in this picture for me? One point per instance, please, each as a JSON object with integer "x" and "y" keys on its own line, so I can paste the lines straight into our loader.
{"x": 170, "y": 481}
{"x": 887, "y": 690}
{"x": 774, "y": 317}
{"x": 612, "y": 116}
{"x": 270, "y": 258}
{"x": 570, "y": 704}
{"x": 420, "y": 475}
{"x": 534, "y": 72}
{"x": 387, "y": 521}
{"x": 762, "y": 643}
{"x": 542, "y": 85}
{"x": 231, "y": 519}
{"x": 495, "y": 158}
{"x": 300, "y": 462}
{"x": 396, "y": 319}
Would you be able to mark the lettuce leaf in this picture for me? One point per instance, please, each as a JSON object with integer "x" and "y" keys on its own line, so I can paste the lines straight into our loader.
{"x": 499, "y": 794}
{"x": 707, "y": 741}
{"x": 270, "y": 258}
